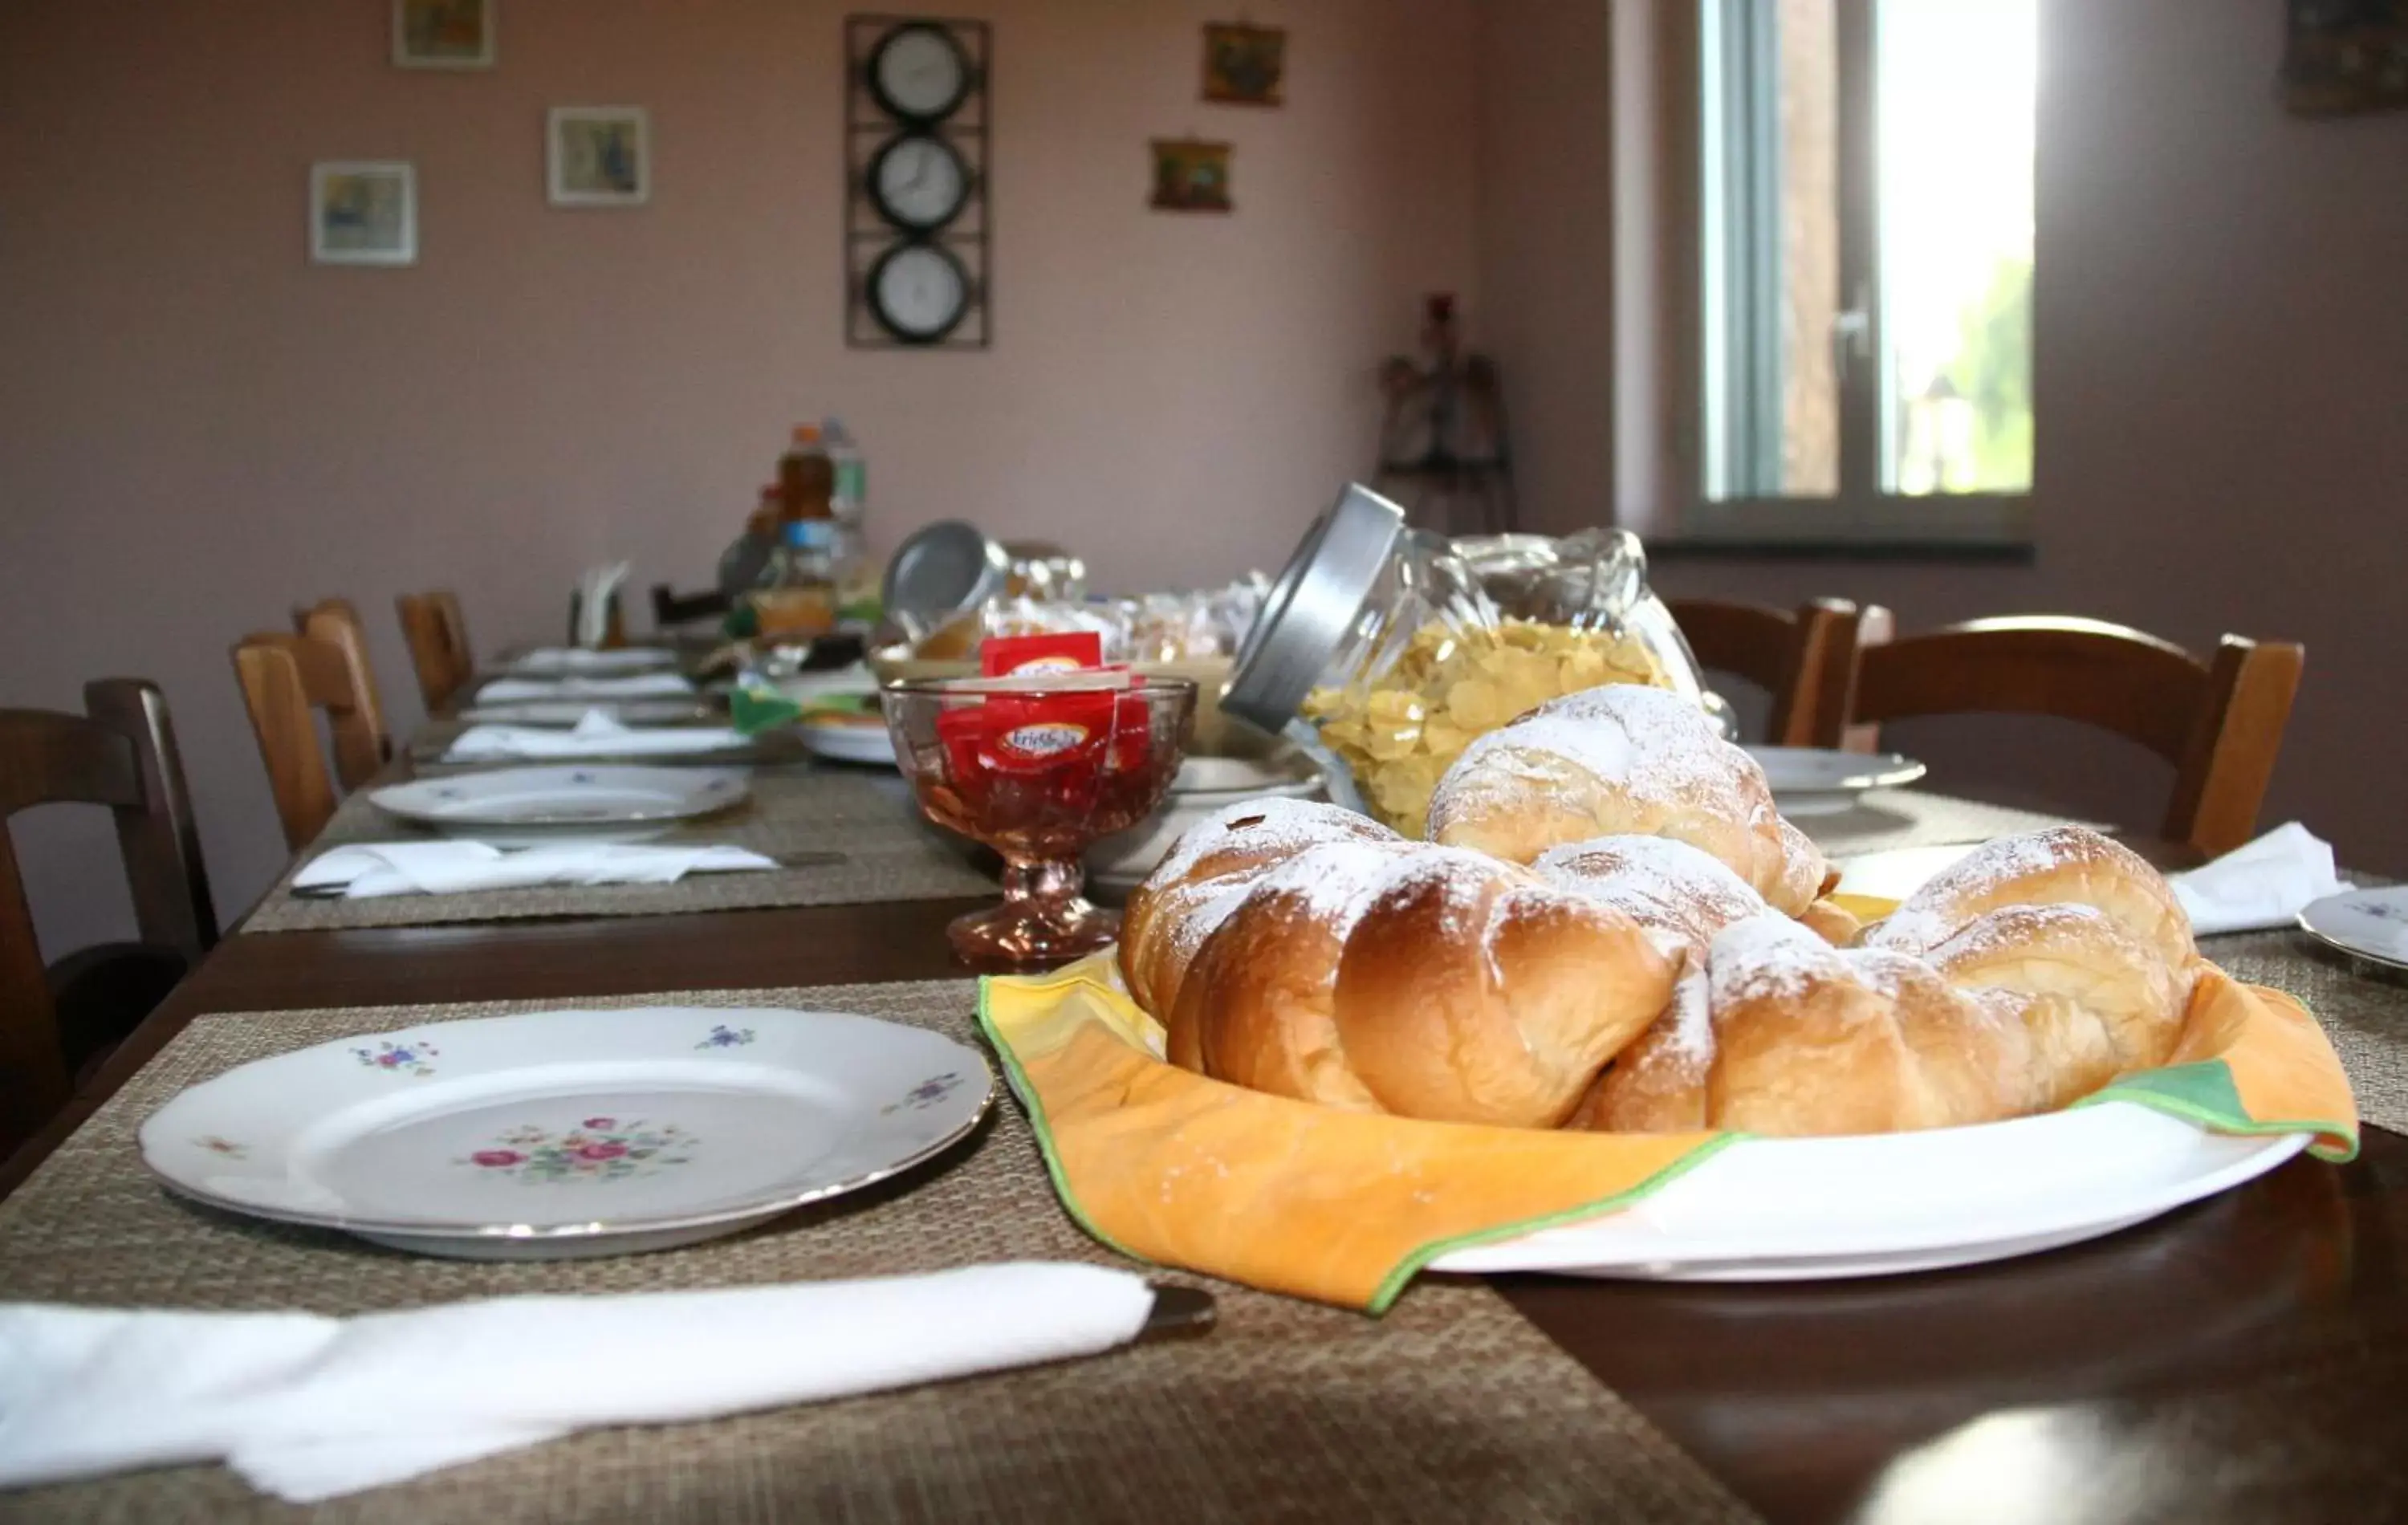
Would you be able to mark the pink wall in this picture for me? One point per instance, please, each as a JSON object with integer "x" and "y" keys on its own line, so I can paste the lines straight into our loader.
{"x": 197, "y": 428}
{"x": 1546, "y": 249}
{"x": 2222, "y": 385}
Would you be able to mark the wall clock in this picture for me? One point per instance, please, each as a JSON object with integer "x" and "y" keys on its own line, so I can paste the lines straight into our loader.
{"x": 917, "y": 181}
{"x": 919, "y": 73}
{"x": 918, "y": 265}
{"x": 919, "y": 292}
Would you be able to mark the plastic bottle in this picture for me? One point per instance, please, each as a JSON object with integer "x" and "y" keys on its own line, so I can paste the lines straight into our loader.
{"x": 742, "y": 564}
{"x": 797, "y": 593}
{"x": 850, "y": 499}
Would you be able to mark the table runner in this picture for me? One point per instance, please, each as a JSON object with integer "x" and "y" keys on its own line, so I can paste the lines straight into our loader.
{"x": 891, "y": 854}
{"x": 1451, "y": 1407}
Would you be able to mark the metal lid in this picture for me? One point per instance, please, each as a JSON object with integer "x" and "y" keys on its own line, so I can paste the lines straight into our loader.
{"x": 1310, "y": 607}
{"x": 939, "y": 571}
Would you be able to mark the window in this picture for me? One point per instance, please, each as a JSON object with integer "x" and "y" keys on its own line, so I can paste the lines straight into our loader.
{"x": 1866, "y": 267}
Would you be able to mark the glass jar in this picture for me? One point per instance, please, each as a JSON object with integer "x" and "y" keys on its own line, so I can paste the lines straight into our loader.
{"x": 1393, "y": 649}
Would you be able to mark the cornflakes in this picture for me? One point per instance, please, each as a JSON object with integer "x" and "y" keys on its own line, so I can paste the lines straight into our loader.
{"x": 1399, "y": 732}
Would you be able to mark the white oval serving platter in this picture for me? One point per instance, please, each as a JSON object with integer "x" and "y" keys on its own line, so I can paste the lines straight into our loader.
{"x": 1804, "y": 1209}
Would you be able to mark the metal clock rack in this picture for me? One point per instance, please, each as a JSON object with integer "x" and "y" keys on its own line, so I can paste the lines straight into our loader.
{"x": 868, "y": 237}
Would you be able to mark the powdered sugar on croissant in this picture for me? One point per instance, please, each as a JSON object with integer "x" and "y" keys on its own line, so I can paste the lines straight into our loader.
{"x": 2031, "y": 975}
{"x": 1206, "y": 872}
{"x": 1622, "y": 760}
{"x": 1425, "y": 981}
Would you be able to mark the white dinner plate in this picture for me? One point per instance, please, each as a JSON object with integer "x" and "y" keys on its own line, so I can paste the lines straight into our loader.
{"x": 656, "y": 711}
{"x": 569, "y": 1133}
{"x": 562, "y": 795}
{"x": 1122, "y": 861}
{"x": 564, "y": 661}
{"x": 1800, "y": 1209}
{"x": 1815, "y": 780}
{"x": 849, "y": 744}
{"x": 2372, "y": 924}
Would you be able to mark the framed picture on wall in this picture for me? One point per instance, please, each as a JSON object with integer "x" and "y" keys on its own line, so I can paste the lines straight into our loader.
{"x": 1190, "y": 175}
{"x": 600, "y": 157}
{"x": 1243, "y": 66}
{"x": 443, "y": 33}
{"x": 363, "y": 213}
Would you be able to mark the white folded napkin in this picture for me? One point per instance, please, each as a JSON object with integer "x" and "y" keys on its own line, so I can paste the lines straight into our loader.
{"x": 368, "y": 871}
{"x": 309, "y": 1408}
{"x": 553, "y": 661}
{"x": 595, "y": 587}
{"x": 596, "y": 734}
{"x": 2266, "y": 883}
{"x": 634, "y": 685}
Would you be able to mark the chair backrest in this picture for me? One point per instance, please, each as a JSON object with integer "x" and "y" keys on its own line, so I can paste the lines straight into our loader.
{"x": 284, "y": 678}
{"x": 438, "y": 644}
{"x": 1800, "y": 658}
{"x": 2219, "y": 722}
{"x": 670, "y": 607}
{"x": 360, "y": 750}
{"x": 120, "y": 755}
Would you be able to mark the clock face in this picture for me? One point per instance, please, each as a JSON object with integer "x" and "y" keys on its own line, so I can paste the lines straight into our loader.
{"x": 919, "y": 183}
{"x": 919, "y": 292}
{"x": 919, "y": 73}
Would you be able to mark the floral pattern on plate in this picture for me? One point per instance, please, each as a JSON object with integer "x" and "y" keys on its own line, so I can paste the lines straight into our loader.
{"x": 925, "y": 1095}
{"x": 416, "y": 1059}
{"x": 597, "y": 1149}
{"x": 724, "y": 1036}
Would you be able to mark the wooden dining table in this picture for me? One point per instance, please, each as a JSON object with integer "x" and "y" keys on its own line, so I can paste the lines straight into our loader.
{"x": 2244, "y": 1358}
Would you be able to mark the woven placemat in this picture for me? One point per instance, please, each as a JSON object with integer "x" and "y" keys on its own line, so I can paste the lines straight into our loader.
{"x": 1451, "y": 1407}
{"x": 891, "y": 853}
{"x": 1886, "y": 819}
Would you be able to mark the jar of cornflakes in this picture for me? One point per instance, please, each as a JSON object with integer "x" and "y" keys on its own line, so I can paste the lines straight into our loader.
{"x": 1396, "y": 647}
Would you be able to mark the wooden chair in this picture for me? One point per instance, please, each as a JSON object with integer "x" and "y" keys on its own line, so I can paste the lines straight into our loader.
{"x": 438, "y": 645}
{"x": 670, "y": 607}
{"x": 335, "y": 622}
{"x": 1800, "y": 659}
{"x": 56, "y": 1024}
{"x": 283, "y": 679}
{"x": 2219, "y": 722}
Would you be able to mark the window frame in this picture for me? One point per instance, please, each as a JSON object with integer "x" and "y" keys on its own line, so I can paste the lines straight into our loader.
{"x": 1865, "y": 511}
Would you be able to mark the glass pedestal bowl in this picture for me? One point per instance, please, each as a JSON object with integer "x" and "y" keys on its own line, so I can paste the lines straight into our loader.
{"x": 1038, "y": 773}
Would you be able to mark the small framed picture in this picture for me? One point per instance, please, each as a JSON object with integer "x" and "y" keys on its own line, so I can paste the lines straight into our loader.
{"x": 600, "y": 157}
{"x": 1244, "y": 65}
{"x": 1191, "y": 176}
{"x": 443, "y": 33}
{"x": 362, "y": 215}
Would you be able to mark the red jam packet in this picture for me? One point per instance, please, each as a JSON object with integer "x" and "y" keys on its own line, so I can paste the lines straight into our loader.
{"x": 1060, "y": 743}
{"x": 1018, "y": 656}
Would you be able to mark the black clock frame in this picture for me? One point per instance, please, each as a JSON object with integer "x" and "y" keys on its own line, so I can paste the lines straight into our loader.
{"x": 872, "y": 234}
{"x": 877, "y": 87}
{"x": 874, "y": 179}
{"x": 914, "y": 338}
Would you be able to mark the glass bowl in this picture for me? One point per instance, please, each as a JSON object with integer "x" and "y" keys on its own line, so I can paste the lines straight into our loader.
{"x": 1038, "y": 770}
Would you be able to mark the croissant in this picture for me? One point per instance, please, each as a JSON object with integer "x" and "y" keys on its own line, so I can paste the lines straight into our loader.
{"x": 1981, "y": 998}
{"x": 1625, "y": 760}
{"x": 1207, "y": 870}
{"x": 1408, "y": 978}
{"x": 1675, "y": 891}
